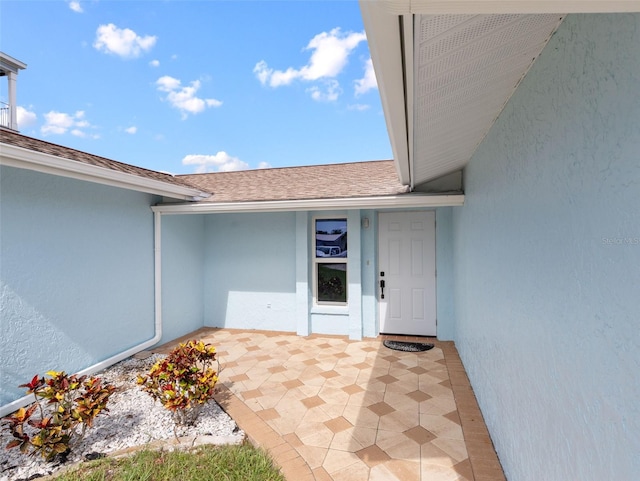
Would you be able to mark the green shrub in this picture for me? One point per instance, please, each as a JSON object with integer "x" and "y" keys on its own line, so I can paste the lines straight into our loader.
{"x": 71, "y": 404}
{"x": 183, "y": 381}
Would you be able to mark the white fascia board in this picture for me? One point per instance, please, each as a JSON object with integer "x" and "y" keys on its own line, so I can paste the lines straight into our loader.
{"x": 22, "y": 158}
{"x": 387, "y": 202}
{"x": 439, "y": 7}
{"x": 385, "y": 46}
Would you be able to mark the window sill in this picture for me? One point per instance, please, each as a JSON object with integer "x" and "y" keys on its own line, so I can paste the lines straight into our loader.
{"x": 332, "y": 310}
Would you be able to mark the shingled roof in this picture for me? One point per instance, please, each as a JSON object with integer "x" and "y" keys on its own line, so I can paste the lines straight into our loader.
{"x": 333, "y": 181}
{"x": 36, "y": 145}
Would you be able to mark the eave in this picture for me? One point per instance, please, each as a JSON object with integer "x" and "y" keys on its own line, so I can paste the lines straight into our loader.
{"x": 22, "y": 158}
{"x": 433, "y": 128}
{"x": 406, "y": 201}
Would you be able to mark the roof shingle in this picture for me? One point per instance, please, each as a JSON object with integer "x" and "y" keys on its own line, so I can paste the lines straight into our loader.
{"x": 356, "y": 179}
{"x": 18, "y": 140}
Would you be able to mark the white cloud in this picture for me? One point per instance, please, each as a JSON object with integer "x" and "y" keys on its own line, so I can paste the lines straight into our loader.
{"x": 131, "y": 130}
{"x": 76, "y": 7}
{"x": 329, "y": 92}
{"x": 155, "y": 63}
{"x": 26, "y": 118}
{"x": 123, "y": 42}
{"x": 60, "y": 123}
{"x": 220, "y": 162}
{"x": 369, "y": 81}
{"x": 184, "y": 98}
{"x": 264, "y": 165}
{"x": 359, "y": 107}
{"x": 330, "y": 53}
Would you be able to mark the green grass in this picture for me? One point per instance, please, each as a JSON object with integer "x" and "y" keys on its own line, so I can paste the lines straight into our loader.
{"x": 205, "y": 463}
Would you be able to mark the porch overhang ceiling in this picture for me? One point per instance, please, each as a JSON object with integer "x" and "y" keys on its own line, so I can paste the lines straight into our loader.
{"x": 13, "y": 156}
{"x": 405, "y": 201}
{"x": 446, "y": 69}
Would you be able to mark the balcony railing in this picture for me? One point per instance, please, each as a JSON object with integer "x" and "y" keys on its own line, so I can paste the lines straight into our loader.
{"x": 5, "y": 114}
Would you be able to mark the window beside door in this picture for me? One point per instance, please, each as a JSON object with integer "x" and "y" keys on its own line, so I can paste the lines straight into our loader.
{"x": 330, "y": 261}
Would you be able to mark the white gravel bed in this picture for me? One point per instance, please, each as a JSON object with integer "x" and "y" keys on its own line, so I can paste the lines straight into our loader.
{"x": 134, "y": 419}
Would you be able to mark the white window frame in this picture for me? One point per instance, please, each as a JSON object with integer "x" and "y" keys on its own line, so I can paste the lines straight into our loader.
{"x": 328, "y": 260}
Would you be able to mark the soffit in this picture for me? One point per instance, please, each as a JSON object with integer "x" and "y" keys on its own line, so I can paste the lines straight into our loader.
{"x": 466, "y": 67}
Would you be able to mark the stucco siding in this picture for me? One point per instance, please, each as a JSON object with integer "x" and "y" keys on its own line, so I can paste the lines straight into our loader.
{"x": 445, "y": 308}
{"x": 547, "y": 256}
{"x": 182, "y": 245}
{"x": 250, "y": 271}
{"x": 76, "y": 274}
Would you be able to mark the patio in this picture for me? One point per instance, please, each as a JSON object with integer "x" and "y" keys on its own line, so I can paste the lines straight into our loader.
{"x": 328, "y": 408}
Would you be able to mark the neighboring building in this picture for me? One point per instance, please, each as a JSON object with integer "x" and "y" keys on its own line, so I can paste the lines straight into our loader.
{"x": 537, "y": 261}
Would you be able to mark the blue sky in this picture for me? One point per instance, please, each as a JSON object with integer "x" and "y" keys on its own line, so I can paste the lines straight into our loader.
{"x": 197, "y": 86}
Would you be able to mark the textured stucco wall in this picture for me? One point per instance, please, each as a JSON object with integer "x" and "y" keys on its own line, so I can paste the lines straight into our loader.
{"x": 250, "y": 271}
{"x": 76, "y": 274}
{"x": 444, "y": 279}
{"x": 182, "y": 245}
{"x": 547, "y": 261}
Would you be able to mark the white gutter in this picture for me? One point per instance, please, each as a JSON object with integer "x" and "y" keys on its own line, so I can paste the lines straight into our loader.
{"x": 22, "y": 158}
{"x": 404, "y": 201}
{"x": 439, "y": 7}
{"x": 157, "y": 231}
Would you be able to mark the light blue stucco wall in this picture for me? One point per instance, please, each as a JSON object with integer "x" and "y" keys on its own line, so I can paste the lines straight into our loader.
{"x": 445, "y": 308}
{"x": 250, "y": 271}
{"x": 547, "y": 261}
{"x": 183, "y": 247}
{"x": 76, "y": 274}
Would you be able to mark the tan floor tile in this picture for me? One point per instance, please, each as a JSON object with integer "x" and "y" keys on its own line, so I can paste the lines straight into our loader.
{"x": 321, "y": 474}
{"x": 401, "y": 401}
{"x": 432, "y": 454}
{"x": 399, "y": 421}
{"x": 360, "y": 416}
{"x": 314, "y": 434}
{"x": 355, "y": 472}
{"x": 366, "y": 398}
{"x": 292, "y": 439}
{"x": 437, "y": 472}
{"x": 253, "y": 393}
{"x": 352, "y": 389}
{"x": 398, "y": 445}
{"x": 314, "y": 456}
{"x": 338, "y": 460}
{"x": 373, "y": 455}
{"x": 420, "y": 435}
{"x": 312, "y": 402}
{"x": 338, "y": 424}
{"x": 441, "y": 426}
{"x": 354, "y": 439}
{"x": 453, "y": 447}
{"x": 293, "y": 383}
{"x": 268, "y": 414}
{"x": 381, "y": 408}
{"x": 407, "y": 470}
{"x": 341, "y": 380}
{"x": 438, "y": 406}
{"x": 333, "y": 395}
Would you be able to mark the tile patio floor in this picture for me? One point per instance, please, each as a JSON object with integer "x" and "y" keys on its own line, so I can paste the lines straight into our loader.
{"x": 328, "y": 408}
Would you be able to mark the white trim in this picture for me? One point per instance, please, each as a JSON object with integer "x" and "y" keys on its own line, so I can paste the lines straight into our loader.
{"x": 157, "y": 335}
{"x": 414, "y": 200}
{"x": 387, "y": 55}
{"x": 438, "y": 7}
{"x": 409, "y": 83}
{"x": 316, "y": 261}
{"x": 22, "y": 158}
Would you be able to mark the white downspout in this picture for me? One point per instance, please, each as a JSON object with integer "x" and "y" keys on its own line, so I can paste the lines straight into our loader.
{"x": 157, "y": 233}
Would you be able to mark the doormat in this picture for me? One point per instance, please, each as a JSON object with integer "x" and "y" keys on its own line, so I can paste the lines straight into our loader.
{"x": 408, "y": 346}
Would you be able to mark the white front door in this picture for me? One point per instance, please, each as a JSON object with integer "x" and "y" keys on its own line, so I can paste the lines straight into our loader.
{"x": 407, "y": 270}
